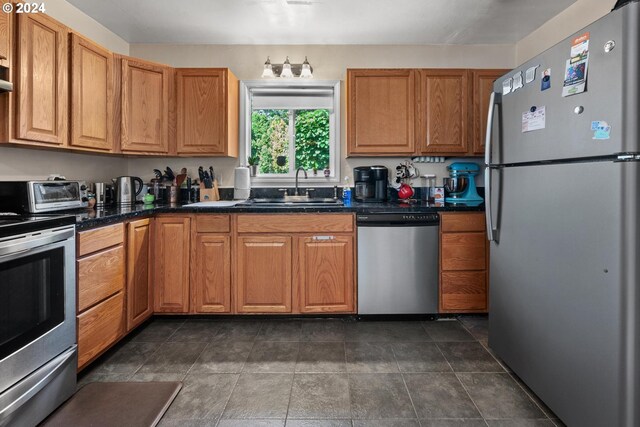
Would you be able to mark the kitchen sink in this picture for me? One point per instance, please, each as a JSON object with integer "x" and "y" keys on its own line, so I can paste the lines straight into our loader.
{"x": 295, "y": 201}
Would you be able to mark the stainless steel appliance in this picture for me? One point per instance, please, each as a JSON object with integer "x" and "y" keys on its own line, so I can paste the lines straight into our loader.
{"x": 563, "y": 219}
{"x": 461, "y": 185}
{"x": 126, "y": 190}
{"x": 398, "y": 263}
{"x": 38, "y": 357}
{"x": 104, "y": 194}
{"x": 42, "y": 196}
{"x": 371, "y": 183}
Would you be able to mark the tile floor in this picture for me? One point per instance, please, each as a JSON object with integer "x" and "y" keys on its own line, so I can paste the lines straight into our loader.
{"x": 325, "y": 372}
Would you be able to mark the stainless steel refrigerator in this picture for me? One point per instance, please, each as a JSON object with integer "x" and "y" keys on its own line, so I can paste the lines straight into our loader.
{"x": 562, "y": 186}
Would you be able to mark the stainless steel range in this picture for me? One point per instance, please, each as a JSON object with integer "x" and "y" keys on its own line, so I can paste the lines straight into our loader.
{"x": 38, "y": 356}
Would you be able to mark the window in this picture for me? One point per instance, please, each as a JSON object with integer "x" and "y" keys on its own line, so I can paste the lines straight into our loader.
{"x": 289, "y": 126}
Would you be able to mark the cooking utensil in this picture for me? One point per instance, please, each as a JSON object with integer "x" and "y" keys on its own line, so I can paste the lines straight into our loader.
{"x": 211, "y": 173}
{"x": 201, "y": 173}
{"x": 180, "y": 179}
{"x": 158, "y": 174}
{"x": 169, "y": 173}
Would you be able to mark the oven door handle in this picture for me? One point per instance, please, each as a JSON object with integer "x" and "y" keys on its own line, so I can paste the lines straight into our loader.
{"x": 35, "y": 242}
{"x": 59, "y": 364}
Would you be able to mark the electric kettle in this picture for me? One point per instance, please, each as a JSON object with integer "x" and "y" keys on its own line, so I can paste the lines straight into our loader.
{"x": 126, "y": 190}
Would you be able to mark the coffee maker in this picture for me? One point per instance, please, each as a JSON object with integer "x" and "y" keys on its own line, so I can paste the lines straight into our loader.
{"x": 371, "y": 183}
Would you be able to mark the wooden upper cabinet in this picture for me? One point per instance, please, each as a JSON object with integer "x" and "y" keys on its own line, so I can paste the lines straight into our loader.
{"x": 5, "y": 36}
{"x": 211, "y": 273}
{"x": 482, "y": 82}
{"x": 326, "y": 274}
{"x": 92, "y": 108}
{"x": 145, "y": 90}
{"x": 444, "y": 111}
{"x": 207, "y": 112}
{"x": 139, "y": 289}
{"x": 264, "y": 274}
{"x": 381, "y": 112}
{"x": 42, "y": 83}
{"x": 171, "y": 264}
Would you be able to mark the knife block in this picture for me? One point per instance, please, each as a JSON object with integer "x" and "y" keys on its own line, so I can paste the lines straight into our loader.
{"x": 209, "y": 194}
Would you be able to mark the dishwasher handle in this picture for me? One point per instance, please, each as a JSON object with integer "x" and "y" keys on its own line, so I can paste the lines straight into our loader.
{"x": 398, "y": 220}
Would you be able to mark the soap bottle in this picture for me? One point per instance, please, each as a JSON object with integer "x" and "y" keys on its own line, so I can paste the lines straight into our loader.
{"x": 346, "y": 192}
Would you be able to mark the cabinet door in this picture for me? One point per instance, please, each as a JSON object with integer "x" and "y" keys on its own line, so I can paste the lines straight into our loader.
{"x": 444, "y": 111}
{"x": 42, "y": 92}
{"x": 263, "y": 274}
{"x": 145, "y": 107}
{"x": 91, "y": 95}
{"x": 325, "y": 270}
{"x": 211, "y": 274}
{"x": 171, "y": 264}
{"x": 381, "y": 112}
{"x": 139, "y": 290}
{"x": 5, "y": 36}
{"x": 463, "y": 291}
{"x": 202, "y": 111}
{"x": 482, "y": 81}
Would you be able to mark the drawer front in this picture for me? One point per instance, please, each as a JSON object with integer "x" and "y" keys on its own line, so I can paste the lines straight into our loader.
{"x": 462, "y": 221}
{"x": 100, "y": 238}
{"x": 213, "y": 224}
{"x": 99, "y": 276}
{"x": 463, "y": 291}
{"x": 99, "y": 327}
{"x": 296, "y": 223}
{"x": 463, "y": 251}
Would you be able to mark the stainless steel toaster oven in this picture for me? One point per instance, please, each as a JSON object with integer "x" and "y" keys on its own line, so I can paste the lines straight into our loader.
{"x": 42, "y": 196}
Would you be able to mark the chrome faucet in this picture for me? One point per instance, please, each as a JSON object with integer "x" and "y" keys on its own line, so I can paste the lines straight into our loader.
{"x": 305, "y": 177}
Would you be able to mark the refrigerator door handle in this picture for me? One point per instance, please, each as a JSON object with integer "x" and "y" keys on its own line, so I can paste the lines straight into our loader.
{"x": 493, "y": 100}
{"x": 487, "y": 203}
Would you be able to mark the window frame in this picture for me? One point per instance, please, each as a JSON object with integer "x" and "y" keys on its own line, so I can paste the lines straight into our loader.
{"x": 246, "y": 86}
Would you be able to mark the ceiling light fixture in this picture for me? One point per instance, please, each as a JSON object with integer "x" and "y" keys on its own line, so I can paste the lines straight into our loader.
{"x": 287, "y": 70}
{"x": 267, "y": 72}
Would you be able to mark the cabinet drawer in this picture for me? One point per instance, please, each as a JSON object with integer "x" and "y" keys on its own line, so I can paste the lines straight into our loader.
{"x": 99, "y": 276}
{"x": 212, "y": 224}
{"x": 463, "y": 251}
{"x": 100, "y": 238}
{"x": 99, "y": 327}
{"x": 462, "y": 222}
{"x": 306, "y": 223}
{"x": 463, "y": 291}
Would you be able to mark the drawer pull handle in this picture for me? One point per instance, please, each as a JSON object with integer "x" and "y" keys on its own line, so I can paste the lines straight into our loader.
{"x": 323, "y": 237}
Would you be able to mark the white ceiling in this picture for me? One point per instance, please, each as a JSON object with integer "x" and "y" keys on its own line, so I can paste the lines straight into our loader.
{"x": 322, "y": 21}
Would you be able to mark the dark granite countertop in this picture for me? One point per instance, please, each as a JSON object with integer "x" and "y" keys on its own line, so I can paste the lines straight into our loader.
{"x": 91, "y": 218}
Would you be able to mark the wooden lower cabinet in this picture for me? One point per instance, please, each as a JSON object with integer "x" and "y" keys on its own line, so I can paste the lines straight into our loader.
{"x": 100, "y": 290}
{"x": 326, "y": 280}
{"x": 211, "y": 273}
{"x": 99, "y": 327}
{"x": 171, "y": 264}
{"x": 139, "y": 289}
{"x": 464, "y": 263}
{"x": 264, "y": 274}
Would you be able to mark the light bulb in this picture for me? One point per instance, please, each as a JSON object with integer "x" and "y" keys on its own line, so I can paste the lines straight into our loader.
{"x": 267, "y": 72}
{"x": 306, "y": 70}
{"x": 286, "y": 69}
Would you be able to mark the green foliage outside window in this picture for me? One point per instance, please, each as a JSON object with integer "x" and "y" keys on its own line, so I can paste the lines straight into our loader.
{"x": 270, "y": 139}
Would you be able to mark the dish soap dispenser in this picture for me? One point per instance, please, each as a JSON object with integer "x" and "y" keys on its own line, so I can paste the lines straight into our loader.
{"x": 346, "y": 192}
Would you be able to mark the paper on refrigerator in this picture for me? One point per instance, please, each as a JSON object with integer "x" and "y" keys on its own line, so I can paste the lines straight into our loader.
{"x": 575, "y": 75}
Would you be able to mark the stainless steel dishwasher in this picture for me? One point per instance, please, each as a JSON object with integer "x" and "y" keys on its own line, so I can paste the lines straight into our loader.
{"x": 398, "y": 263}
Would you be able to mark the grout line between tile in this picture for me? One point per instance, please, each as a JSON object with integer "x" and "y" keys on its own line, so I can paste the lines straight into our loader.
{"x": 228, "y": 399}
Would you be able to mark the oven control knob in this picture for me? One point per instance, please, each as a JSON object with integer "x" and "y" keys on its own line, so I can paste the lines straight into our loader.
{"x": 83, "y": 187}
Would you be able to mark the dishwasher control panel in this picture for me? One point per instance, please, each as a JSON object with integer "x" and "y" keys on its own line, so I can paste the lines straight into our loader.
{"x": 397, "y": 219}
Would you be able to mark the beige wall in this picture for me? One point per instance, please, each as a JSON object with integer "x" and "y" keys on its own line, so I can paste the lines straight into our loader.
{"x": 23, "y": 163}
{"x": 328, "y": 62}
{"x": 578, "y": 15}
